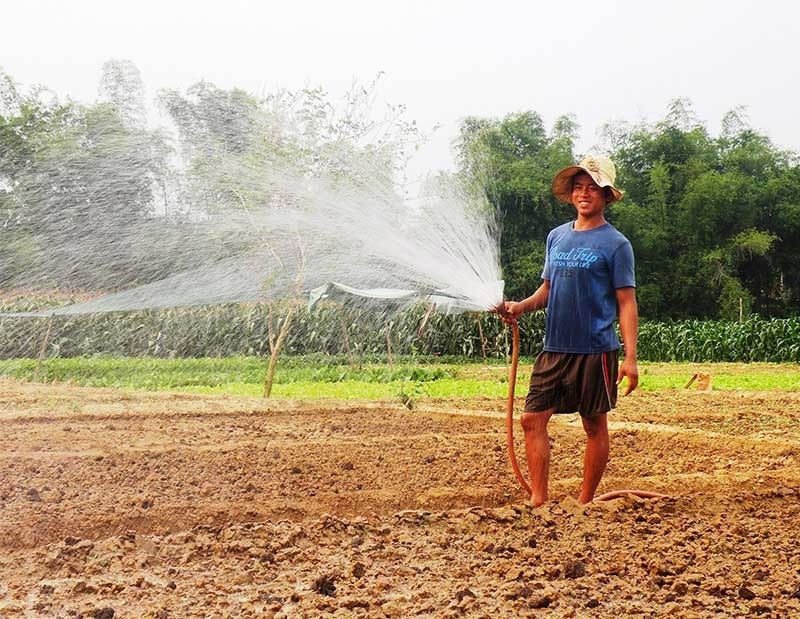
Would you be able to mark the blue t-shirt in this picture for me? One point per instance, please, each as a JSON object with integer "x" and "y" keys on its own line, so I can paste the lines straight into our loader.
{"x": 585, "y": 268}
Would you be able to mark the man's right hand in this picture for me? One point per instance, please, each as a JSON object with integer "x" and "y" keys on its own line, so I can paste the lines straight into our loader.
{"x": 513, "y": 311}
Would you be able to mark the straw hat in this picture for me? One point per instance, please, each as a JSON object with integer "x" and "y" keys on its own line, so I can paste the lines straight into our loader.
{"x": 600, "y": 168}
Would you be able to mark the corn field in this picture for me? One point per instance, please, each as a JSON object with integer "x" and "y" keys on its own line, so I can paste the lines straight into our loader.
{"x": 755, "y": 339}
{"x": 244, "y": 329}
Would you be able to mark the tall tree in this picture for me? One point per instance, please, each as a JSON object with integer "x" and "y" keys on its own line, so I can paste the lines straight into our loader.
{"x": 702, "y": 213}
{"x": 121, "y": 87}
{"x": 78, "y": 181}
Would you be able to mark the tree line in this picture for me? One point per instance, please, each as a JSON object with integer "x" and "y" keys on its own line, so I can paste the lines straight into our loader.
{"x": 714, "y": 220}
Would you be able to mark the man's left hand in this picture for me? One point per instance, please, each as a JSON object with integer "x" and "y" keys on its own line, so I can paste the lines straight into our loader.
{"x": 629, "y": 370}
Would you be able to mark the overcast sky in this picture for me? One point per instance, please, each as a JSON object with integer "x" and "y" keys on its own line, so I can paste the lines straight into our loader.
{"x": 443, "y": 59}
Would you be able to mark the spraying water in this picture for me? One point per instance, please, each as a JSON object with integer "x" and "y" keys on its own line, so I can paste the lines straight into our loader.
{"x": 273, "y": 213}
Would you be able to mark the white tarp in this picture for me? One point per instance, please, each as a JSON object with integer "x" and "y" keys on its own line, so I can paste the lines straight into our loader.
{"x": 444, "y": 302}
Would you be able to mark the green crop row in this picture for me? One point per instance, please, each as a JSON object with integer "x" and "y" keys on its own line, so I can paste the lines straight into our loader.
{"x": 213, "y": 373}
{"x": 360, "y": 335}
{"x": 244, "y": 330}
{"x": 755, "y": 339}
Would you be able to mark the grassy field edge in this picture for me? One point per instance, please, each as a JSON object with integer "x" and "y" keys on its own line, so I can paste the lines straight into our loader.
{"x": 334, "y": 377}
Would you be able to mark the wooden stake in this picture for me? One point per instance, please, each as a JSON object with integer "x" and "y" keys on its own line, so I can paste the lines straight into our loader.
{"x": 483, "y": 339}
{"x": 43, "y": 349}
{"x": 425, "y": 319}
{"x": 346, "y": 336}
{"x": 275, "y": 349}
{"x": 275, "y": 344}
{"x": 389, "y": 358}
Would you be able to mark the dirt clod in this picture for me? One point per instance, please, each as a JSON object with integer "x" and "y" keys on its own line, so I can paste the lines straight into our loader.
{"x": 325, "y": 585}
{"x": 464, "y": 593}
{"x": 540, "y": 601}
{"x": 358, "y": 569}
{"x": 574, "y": 569}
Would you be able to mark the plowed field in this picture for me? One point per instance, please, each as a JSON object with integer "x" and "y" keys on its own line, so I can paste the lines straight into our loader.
{"x": 117, "y": 504}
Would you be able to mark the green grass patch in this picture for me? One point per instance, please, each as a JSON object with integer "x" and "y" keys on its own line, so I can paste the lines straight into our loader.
{"x": 724, "y": 376}
{"x": 212, "y": 373}
{"x": 359, "y": 390}
{"x": 333, "y": 377}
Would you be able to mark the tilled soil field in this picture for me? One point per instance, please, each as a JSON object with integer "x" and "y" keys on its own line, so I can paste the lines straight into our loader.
{"x": 120, "y": 504}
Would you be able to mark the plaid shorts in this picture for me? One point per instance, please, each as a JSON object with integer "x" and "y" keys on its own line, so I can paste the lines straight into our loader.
{"x": 571, "y": 382}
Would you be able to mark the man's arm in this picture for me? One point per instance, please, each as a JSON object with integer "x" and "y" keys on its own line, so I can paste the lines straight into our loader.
{"x": 629, "y": 327}
{"x": 536, "y": 301}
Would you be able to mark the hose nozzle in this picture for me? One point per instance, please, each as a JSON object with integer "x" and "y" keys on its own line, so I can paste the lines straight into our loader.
{"x": 501, "y": 311}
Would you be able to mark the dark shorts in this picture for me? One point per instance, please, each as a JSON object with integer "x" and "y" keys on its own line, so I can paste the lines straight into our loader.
{"x": 572, "y": 382}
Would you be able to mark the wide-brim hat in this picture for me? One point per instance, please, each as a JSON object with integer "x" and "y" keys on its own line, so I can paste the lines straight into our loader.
{"x": 600, "y": 168}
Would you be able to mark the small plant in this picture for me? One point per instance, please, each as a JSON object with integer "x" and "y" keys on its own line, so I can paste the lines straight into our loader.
{"x": 410, "y": 392}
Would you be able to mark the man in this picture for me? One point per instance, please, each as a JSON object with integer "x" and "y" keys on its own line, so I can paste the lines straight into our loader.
{"x": 588, "y": 274}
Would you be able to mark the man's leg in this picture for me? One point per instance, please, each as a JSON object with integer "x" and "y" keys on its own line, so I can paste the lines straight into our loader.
{"x": 537, "y": 449}
{"x": 596, "y": 456}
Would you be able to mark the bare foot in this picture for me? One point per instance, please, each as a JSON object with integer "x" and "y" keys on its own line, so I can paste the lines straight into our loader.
{"x": 538, "y": 502}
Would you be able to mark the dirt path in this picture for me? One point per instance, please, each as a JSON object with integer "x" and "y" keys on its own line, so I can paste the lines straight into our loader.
{"x": 170, "y": 505}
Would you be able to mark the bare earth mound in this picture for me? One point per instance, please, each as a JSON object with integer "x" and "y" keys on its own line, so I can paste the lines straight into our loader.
{"x": 166, "y": 505}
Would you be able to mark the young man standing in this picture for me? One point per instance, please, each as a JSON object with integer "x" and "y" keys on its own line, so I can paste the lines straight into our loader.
{"x": 588, "y": 274}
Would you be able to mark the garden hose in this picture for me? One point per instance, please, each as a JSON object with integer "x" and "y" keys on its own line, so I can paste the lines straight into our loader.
{"x": 512, "y": 382}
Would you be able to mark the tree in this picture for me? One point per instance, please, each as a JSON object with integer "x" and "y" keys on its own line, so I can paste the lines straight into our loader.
{"x": 122, "y": 88}
{"x": 703, "y": 215}
{"x": 79, "y": 193}
{"x": 713, "y": 219}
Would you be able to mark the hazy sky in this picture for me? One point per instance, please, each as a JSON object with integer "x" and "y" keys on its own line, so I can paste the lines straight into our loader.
{"x": 443, "y": 59}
